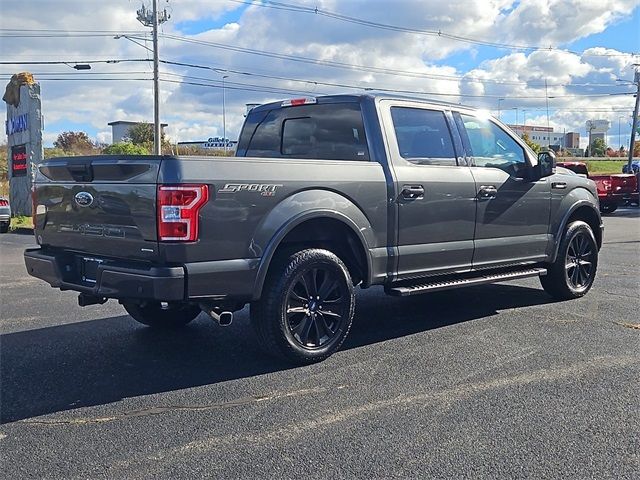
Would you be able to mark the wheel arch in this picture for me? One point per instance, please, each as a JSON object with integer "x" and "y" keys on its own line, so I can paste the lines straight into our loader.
{"x": 586, "y": 211}
{"x": 295, "y": 223}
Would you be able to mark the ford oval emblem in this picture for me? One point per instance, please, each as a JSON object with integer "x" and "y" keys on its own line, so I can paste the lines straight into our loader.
{"x": 84, "y": 199}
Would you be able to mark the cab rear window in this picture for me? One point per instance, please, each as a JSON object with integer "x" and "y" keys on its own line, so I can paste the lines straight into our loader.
{"x": 324, "y": 132}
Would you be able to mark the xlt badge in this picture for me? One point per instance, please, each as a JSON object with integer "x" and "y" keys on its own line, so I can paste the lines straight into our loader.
{"x": 264, "y": 189}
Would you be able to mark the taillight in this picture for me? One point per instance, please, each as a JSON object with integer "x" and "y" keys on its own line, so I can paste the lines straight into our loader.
{"x": 178, "y": 208}
{"x": 3, "y": 203}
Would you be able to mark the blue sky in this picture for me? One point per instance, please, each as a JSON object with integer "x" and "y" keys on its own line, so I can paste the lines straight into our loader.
{"x": 194, "y": 112}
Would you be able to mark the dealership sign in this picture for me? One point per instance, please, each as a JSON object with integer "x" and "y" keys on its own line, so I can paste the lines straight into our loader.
{"x": 19, "y": 160}
{"x": 17, "y": 124}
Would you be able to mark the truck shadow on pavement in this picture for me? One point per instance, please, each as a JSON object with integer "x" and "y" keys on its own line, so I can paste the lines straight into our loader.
{"x": 100, "y": 361}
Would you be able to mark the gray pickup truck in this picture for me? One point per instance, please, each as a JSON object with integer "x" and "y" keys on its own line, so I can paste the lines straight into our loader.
{"x": 324, "y": 194}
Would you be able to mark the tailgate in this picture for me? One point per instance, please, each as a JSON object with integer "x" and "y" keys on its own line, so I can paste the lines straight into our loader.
{"x": 623, "y": 183}
{"x": 100, "y": 205}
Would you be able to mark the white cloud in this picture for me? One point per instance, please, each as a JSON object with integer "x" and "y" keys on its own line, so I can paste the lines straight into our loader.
{"x": 194, "y": 112}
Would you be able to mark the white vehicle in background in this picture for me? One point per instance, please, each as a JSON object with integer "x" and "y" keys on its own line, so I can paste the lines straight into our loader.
{"x": 5, "y": 215}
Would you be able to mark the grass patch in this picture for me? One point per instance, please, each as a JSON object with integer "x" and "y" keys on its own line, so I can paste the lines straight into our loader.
{"x": 604, "y": 167}
{"x": 21, "y": 221}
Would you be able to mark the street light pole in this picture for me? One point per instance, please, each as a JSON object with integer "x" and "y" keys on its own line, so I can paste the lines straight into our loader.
{"x": 224, "y": 117}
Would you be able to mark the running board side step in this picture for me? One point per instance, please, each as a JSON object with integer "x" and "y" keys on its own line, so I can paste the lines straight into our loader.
{"x": 434, "y": 286}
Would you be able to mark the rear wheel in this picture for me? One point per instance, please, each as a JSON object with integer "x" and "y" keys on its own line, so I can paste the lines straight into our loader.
{"x": 4, "y": 227}
{"x": 175, "y": 315}
{"x": 307, "y": 307}
{"x": 573, "y": 272}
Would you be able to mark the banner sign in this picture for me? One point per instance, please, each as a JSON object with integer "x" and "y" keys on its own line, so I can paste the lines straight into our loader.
{"x": 19, "y": 160}
{"x": 17, "y": 124}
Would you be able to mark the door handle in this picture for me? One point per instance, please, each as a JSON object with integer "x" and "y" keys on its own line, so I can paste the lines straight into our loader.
{"x": 559, "y": 185}
{"x": 412, "y": 192}
{"x": 487, "y": 191}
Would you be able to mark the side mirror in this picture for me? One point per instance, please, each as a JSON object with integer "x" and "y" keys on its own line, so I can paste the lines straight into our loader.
{"x": 546, "y": 164}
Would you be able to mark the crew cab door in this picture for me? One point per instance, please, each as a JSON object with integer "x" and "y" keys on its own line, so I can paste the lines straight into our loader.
{"x": 435, "y": 191}
{"x": 512, "y": 211}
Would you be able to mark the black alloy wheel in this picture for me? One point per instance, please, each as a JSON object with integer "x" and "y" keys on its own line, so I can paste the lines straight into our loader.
{"x": 572, "y": 273}
{"x": 306, "y": 308}
{"x": 579, "y": 263}
{"x": 316, "y": 307}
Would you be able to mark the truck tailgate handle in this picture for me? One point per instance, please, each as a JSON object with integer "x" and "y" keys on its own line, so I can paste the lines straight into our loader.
{"x": 412, "y": 192}
{"x": 487, "y": 191}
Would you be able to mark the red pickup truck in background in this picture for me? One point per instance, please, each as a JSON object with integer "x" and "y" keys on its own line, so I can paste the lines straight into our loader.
{"x": 613, "y": 190}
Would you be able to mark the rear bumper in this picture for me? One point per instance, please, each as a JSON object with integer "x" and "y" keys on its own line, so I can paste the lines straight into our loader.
{"x": 226, "y": 279}
{"x": 617, "y": 198}
{"x": 112, "y": 280}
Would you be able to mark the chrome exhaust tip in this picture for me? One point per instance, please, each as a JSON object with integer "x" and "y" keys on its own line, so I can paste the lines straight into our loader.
{"x": 222, "y": 318}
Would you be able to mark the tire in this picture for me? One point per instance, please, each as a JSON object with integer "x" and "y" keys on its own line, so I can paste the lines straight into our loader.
{"x": 4, "y": 227}
{"x": 608, "y": 207}
{"x": 153, "y": 315}
{"x": 307, "y": 307}
{"x": 573, "y": 272}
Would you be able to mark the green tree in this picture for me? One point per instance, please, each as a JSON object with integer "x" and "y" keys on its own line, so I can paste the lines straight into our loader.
{"x": 125, "y": 148}
{"x": 77, "y": 143}
{"x": 598, "y": 147}
{"x": 50, "y": 152}
{"x": 636, "y": 148}
{"x": 4, "y": 164}
{"x": 142, "y": 134}
{"x": 533, "y": 145}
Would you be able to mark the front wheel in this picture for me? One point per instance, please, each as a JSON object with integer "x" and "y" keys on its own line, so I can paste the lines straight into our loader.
{"x": 573, "y": 272}
{"x": 154, "y": 314}
{"x": 307, "y": 307}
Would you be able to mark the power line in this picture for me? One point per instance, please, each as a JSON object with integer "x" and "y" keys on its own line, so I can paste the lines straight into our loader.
{"x": 58, "y": 62}
{"x": 323, "y": 83}
{"x": 434, "y": 33}
{"x": 374, "y": 88}
{"x": 348, "y": 66}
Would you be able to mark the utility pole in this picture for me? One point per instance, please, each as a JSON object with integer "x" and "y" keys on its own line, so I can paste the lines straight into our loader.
{"x": 152, "y": 19}
{"x": 224, "y": 117}
{"x": 634, "y": 122}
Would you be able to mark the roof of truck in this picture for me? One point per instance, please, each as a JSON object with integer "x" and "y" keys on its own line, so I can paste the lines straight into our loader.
{"x": 357, "y": 97}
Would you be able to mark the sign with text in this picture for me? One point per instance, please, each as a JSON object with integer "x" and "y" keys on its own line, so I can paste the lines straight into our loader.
{"x": 17, "y": 124}
{"x": 19, "y": 160}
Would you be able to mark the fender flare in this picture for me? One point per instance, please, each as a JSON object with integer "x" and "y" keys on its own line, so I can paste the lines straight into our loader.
{"x": 565, "y": 219}
{"x": 298, "y": 219}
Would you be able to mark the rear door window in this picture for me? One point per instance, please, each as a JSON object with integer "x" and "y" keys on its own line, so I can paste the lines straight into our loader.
{"x": 423, "y": 136}
{"x": 324, "y": 132}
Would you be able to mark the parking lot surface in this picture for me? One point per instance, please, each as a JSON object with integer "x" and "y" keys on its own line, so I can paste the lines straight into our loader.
{"x": 492, "y": 381}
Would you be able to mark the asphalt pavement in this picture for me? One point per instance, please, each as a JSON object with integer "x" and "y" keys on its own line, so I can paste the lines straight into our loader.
{"x": 494, "y": 381}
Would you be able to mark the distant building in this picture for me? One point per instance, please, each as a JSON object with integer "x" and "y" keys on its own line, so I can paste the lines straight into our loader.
{"x": 120, "y": 129}
{"x": 572, "y": 140}
{"x": 547, "y": 136}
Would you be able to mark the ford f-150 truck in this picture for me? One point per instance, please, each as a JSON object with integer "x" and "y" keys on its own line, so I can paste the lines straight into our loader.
{"x": 324, "y": 194}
